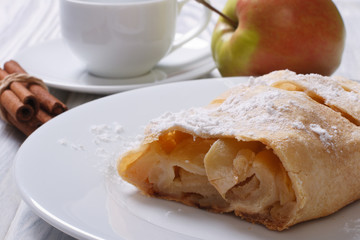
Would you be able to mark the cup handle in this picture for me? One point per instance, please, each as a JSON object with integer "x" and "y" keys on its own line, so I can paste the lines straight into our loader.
{"x": 194, "y": 31}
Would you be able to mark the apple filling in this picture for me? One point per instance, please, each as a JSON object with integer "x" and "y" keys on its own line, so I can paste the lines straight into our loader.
{"x": 222, "y": 175}
{"x": 251, "y": 178}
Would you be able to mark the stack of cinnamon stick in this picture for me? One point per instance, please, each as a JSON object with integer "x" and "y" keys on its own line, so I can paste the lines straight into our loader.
{"x": 26, "y": 104}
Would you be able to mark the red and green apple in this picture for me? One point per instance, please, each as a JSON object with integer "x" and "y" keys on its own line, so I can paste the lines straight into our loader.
{"x": 305, "y": 36}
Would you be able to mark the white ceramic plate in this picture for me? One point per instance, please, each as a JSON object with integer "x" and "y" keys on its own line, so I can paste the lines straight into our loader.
{"x": 56, "y": 65}
{"x": 65, "y": 173}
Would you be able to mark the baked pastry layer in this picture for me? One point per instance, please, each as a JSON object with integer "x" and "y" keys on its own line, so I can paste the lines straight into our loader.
{"x": 279, "y": 150}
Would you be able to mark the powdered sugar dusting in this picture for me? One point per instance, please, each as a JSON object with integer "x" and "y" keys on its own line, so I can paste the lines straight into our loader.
{"x": 255, "y": 109}
{"x": 325, "y": 137}
{"x": 242, "y": 110}
{"x": 298, "y": 125}
{"x": 106, "y": 132}
{"x": 75, "y": 146}
{"x": 329, "y": 89}
{"x": 111, "y": 143}
{"x": 108, "y": 143}
{"x": 271, "y": 78}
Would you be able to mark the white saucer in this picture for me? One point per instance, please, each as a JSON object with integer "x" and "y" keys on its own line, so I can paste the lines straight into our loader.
{"x": 54, "y": 63}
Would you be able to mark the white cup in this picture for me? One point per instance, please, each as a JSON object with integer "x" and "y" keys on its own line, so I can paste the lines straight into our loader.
{"x": 124, "y": 38}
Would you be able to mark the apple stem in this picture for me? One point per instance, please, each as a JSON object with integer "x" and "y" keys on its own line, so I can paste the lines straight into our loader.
{"x": 208, "y": 5}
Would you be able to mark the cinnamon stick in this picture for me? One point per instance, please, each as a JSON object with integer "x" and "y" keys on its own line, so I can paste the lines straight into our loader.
{"x": 12, "y": 104}
{"x": 26, "y": 103}
{"x": 3, "y": 74}
{"x": 15, "y": 108}
{"x": 13, "y": 67}
{"x": 24, "y": 95}
{"x": 42, "y": 116}
{"x": 29, "y": 126}
{"x": 47, "y": 101}
{"x": 25, "y": 128}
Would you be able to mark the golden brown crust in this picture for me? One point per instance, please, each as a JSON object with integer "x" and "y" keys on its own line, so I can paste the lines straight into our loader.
{"x": 282, "y": 150}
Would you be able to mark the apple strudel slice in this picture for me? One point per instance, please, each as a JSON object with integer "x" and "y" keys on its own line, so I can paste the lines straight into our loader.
{"x": 280, "y": 150}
